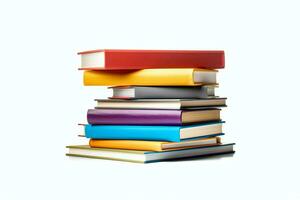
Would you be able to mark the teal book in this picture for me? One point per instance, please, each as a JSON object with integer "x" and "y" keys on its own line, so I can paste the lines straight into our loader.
{"x": 158, "y": 133}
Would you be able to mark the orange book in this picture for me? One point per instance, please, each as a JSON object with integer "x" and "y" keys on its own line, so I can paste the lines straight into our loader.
{"x": 152, "y": 145}
{"x": 147, "y": 77}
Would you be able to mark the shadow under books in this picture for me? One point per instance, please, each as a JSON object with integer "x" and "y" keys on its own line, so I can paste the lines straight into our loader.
{"x": 207, "y": 157}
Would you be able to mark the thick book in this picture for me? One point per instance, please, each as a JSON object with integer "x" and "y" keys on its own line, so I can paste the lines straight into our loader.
{"x": 157, "y": 133}
{"x": 160, "y": 103}
{"x": 146, "y": 156}
{"x": 109, "y": 59}
{"x": 150, "y": 77}
{"x": 153, "y": 145}
{"x": 151, "y": 117}
{"x": 163, "y": 92}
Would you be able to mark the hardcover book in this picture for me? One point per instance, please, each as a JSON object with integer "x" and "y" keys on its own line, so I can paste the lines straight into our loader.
{"x": 150, "y": 77}
{"x": 160, "y": 103}
{"x": 141, "y": 59}
{"x": 153, "y": 145}
{"x": 146, "y": 156}
{"x": 157, "y": 133}
{"x": 161, "y": 92}
{"x": 151, "y": 117}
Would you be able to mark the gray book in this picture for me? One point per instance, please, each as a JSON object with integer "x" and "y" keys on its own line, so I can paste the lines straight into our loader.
{"x": 187, "y": 92}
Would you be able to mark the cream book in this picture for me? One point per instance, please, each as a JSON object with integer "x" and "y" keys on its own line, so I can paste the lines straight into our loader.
{"x": 146, "y": 156}
{"x": 160, "y": 103}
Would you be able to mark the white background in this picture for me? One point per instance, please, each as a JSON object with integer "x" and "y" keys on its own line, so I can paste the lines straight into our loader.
{"x": 42, "y": 97}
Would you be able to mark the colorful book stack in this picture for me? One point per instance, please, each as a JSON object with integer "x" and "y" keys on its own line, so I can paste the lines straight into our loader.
{"x": 163, "y": 105}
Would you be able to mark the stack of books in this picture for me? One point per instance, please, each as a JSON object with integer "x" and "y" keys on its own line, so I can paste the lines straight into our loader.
{"x": 163, "y": 105}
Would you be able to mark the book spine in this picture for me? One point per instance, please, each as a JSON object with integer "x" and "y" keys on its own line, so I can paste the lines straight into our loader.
{"x": 122, "y": 132}
{"x": 147, "y": 59}
{"x": 134, "y": 117}
{"x": 147, "y": 77}
{"x": 171, "y": 92}
{"x": 127, "y": 144}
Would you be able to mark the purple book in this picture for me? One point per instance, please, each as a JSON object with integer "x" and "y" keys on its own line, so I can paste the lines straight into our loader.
{"x": 151, "y": 117}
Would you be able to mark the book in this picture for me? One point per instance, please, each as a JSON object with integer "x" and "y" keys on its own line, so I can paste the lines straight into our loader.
{"x": 111, "y": 59}
{"x": 161, "y": 92}
{"x": 146, "y": 156}
{"x": 160, "y": 103}
{"x": 150, "y": 77}
{"x": 151, "y": 117}
{"x": 152, "y": 145}
{"x": 157, "y": 133}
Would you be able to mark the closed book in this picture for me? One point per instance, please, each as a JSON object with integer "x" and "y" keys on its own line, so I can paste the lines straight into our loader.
{"x": 157, "y": 133}
{"x": 151, "y": 117}
{"x": 152, "y": 145}
{"x": 112, "y": 59}
{"x": 146, "y": 156}
{"x": 163, "y": 92}
{"x": 150, "y": 77}
{"x": 160, "y": 103}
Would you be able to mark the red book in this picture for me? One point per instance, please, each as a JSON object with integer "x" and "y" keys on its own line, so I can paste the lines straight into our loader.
{"x": 142, "y": 59}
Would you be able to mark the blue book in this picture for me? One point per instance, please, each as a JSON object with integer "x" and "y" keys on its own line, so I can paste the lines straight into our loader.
{"x": 159, "y": 133}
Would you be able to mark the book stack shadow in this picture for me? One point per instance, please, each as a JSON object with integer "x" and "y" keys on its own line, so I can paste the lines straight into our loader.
{"x": 164, "y": 105}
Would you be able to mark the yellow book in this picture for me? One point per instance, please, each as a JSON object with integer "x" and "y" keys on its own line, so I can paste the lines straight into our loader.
{"x": 151, "y": 77}
{"x": 152, "y": 145}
